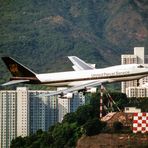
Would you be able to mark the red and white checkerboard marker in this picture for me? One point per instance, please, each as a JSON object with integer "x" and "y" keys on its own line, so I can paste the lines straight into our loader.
{"x": 140, "y": 122}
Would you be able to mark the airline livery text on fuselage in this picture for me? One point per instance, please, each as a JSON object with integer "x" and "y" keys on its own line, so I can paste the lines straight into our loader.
{"x": 104, "y": 74}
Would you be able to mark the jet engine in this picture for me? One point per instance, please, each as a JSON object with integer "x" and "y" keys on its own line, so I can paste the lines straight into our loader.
{"x": 68, "y": 95}
{"x": 91, "y": 90}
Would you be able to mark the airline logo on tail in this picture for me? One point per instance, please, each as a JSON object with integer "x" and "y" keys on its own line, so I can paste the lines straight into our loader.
{"x": 13, "y": 68}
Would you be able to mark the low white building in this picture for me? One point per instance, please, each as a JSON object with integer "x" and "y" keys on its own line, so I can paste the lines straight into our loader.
{"x": 132, "y": 110}
{"x": 139, "y": 92}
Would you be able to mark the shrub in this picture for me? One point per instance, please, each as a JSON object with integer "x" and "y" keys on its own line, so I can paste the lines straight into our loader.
{"x": 93, "y": 127}
{"x": 117, "y": 126}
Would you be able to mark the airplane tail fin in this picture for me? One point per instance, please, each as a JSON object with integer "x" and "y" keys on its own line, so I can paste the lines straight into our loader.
{"x": 17, "y": 69}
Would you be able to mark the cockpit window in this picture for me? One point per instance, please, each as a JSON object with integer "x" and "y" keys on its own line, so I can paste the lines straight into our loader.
{"x": 140, "y": 66}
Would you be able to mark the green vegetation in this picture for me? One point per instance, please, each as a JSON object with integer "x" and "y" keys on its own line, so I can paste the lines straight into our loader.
{"x": 67, "y": 133}
{"x": 41, "y": 34}
{"x": 85, "y": 121}
{"x": 139, "y": 103}
{"x": 93, "y": 127}
{"x": 117, "y": 126}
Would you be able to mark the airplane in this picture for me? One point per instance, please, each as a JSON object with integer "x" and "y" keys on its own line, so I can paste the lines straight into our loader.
{"x": 85, "y": 75}
{"x": 79, "y": 64}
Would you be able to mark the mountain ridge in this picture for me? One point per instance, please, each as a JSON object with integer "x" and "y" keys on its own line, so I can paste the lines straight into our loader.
{"x": 41, "y": 34}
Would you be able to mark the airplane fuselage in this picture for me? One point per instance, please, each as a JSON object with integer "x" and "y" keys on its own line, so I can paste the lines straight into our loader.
{"x": 85, "y": 76}
{"x": 70, "y": 78}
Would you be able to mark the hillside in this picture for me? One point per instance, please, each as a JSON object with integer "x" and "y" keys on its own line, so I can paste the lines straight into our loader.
{"x": 113, "y": 140}
{"x": 41, "y": 34}
{"x": 84, "y": 129}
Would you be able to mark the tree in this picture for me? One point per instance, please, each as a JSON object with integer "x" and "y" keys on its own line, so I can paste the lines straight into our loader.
{"x": 17, "y": 142}
{"x": 120, "y": 99}
{"x": 117, "y": 126}
{"x": 95, "y": 103}
{"x": 84, "y": 113}
{"x": 64, "y": 134}
{"x": 69, "y": 118}
{"x": 93, "y": 127}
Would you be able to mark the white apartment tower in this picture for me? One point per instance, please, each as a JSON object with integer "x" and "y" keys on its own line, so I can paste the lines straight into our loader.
{"x": 22, "y": 111}
{"x": 130, "y": 87}
{"x": 8, "y": 115}
{"x": 66, "y": 105}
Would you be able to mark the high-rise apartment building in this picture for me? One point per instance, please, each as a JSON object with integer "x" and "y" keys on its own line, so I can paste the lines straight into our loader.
{"x": 43, "y": 111}
{"x": 24, "y": 111}
{"x": 8, "y": 116}
{"x": 130, "y": 87}
{"x": 66, "y": 105}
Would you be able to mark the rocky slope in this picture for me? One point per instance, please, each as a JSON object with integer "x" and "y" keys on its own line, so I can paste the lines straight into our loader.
{"x": 113, "y": 140}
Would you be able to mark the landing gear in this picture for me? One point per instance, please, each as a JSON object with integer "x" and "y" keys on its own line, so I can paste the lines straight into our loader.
{"x": 138, "y": 83}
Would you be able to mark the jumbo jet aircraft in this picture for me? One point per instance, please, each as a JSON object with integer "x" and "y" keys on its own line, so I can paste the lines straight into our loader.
{"x": 85, "y": 76}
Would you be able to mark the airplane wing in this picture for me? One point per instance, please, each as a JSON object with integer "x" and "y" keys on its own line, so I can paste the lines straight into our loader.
{"x": 76, "y": 88}
{"x": 14, "y": 82}
{"x": 79, "y": 64}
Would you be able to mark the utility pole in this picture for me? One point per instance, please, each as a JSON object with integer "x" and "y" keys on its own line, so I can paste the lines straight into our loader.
{"x": 101, "y": 101}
